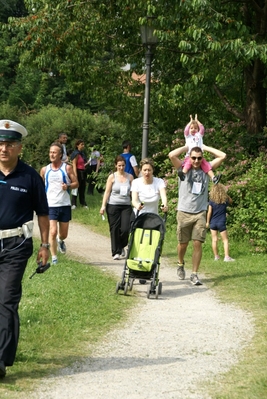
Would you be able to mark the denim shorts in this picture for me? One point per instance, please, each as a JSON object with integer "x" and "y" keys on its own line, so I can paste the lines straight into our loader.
{"x": 60, "y": 213}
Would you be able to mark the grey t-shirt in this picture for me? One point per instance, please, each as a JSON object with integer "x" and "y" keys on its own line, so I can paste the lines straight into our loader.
{"x": 193, "y": 192}
{"x": 120, "y": 192}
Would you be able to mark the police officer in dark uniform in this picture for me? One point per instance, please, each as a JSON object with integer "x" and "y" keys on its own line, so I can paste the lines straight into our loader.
{"x": 21, "y": 193}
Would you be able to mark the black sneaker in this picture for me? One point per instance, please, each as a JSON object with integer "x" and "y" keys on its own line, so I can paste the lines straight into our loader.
{"x": 195, "y": 280}
{"x": 181, "y": 175}
{"x": 216, "y": 178}
{"x": 181, "y": 271}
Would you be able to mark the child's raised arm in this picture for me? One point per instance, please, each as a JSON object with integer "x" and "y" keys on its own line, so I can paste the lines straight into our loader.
{"x": 186, "y": 129}
{"x": 201, "y": 127}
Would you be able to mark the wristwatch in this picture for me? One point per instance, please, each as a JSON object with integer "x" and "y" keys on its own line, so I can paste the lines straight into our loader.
{"x": 47, "y": 246}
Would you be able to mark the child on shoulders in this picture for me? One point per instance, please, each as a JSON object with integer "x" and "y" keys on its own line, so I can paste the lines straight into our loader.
{"x": 194, "y": 132}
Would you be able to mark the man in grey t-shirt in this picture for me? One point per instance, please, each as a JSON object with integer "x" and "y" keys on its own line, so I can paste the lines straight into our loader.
{"x": 192, "y": 206}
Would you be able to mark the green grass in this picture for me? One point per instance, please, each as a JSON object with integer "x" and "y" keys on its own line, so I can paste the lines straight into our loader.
{"x": 65, "y": 313}
{"x": 244, "y": 283}
{"x": 91, "y": 216}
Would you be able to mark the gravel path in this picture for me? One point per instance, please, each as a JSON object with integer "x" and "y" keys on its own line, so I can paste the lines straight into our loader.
{"x": 167, "y": 348}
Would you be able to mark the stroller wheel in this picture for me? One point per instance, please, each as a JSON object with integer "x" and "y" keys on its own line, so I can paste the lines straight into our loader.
{"x": 148, "y": 292}
{"x": 118, "y": 285}
{"x": 142, "y": 281}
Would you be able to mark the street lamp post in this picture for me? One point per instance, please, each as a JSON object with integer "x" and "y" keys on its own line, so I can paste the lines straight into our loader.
{"x": 149, "y": 40}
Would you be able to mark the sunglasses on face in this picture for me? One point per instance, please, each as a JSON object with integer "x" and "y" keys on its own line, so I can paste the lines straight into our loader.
{"x": 196, "y": 158}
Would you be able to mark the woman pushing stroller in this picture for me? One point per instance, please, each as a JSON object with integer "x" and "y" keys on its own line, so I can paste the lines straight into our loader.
{"x": 147, "y": 190}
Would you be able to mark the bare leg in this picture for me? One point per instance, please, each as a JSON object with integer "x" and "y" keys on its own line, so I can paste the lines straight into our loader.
{"x": 214, "y": 242}
{"x": 63, "y": 230}
{"x": 181, "y": 250}
{"x": 224, "y": 236}
{"x": 52, "y": 237}
{"x": 197, "y": 255}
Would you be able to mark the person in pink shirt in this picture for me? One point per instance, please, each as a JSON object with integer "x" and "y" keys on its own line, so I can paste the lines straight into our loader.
{"x": 79, "y": 163}
{"x": 194, "y": 132}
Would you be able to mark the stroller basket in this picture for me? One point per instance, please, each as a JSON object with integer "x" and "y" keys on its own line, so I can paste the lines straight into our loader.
{"x": 142, "y": 252}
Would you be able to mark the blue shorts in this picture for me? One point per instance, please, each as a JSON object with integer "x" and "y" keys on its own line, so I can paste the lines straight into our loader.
{"x": 218, "y": 227}
{"x": 60, "y": 213}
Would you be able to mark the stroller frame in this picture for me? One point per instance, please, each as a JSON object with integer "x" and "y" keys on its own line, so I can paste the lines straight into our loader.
{"x": 143, "y": 254}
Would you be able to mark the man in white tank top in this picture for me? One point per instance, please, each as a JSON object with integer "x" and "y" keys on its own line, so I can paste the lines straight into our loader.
{"x": 59, "y": 180}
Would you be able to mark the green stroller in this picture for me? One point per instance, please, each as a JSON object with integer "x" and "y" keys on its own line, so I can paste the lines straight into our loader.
{"x": 143, "y": 254}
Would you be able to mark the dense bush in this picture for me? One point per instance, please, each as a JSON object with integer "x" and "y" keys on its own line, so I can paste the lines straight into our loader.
{"x": 45, "y": 126}
{"x": 247, "y": 218}
{"x": 243, "y": 173}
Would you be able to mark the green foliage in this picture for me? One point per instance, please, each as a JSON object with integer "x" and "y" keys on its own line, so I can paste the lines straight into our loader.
{"x": 243, "y": 174}
{"x": 207, "y": 53}
{"x": 250, "y": 212}
{"x": 45, "y": 126}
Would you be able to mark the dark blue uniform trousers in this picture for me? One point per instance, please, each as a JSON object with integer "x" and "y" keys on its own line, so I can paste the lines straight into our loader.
{"x": 13, "y": 262}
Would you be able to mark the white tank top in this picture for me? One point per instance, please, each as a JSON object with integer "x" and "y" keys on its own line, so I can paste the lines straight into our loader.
{"x": 56, "y": 196}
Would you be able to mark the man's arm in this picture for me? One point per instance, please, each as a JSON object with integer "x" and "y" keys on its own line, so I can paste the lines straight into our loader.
{"x": 43, "y": 253}
{"x": 73, "y": 178}
{"x": 220, "y": 156}
{"x": 134, "y": 165}
{"x": 136, "y": 170}
{"x": 174, "y": 156}
{"x": 42, "y": 173}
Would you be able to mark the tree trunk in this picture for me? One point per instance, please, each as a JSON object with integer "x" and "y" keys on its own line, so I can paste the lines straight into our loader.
{"x": 255, "y": 113}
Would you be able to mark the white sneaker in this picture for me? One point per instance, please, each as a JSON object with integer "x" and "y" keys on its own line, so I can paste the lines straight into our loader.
{"x": 73, "y": 207}
{"x": 116, "y": 257}
{"x": 228, "y": 259}
{"x": 85, "y": 207}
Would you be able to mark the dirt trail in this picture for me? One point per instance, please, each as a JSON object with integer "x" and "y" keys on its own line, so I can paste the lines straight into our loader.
{"x": 167, "y": 348}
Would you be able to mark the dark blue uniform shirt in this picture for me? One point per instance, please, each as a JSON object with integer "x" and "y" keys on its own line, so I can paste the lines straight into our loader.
{"x": 21, "y": 193}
